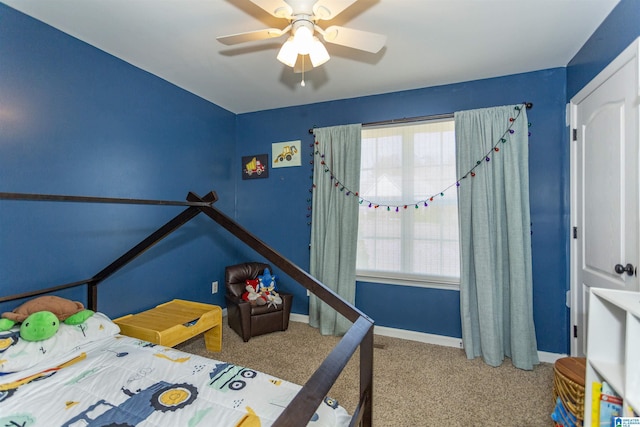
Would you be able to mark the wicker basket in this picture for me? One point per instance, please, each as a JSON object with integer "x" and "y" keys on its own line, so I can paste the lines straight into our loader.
{"x": 568, "y": 385}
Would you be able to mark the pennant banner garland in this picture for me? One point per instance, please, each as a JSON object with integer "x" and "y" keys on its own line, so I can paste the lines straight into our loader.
{"x": 485, "y": 160}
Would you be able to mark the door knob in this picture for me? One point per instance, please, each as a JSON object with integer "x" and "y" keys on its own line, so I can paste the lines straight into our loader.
{"x": 620, "y": 269}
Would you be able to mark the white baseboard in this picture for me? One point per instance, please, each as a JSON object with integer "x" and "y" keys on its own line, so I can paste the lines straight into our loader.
{"x": 547, "y": 357}
{"x": 302, "y": 318}
{"x": 423, "y": 337}
{"x": 418, "y": 336}
{"x": 400, "y": 333}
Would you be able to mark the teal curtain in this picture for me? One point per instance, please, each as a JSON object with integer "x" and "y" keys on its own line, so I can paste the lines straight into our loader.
{"x": 334, "y": 225}
{"x": 496, "y": 288}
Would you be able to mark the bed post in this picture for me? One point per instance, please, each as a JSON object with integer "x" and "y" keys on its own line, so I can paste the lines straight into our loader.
{"x": 366, "y": 378}
{"x": 92, "y": 296}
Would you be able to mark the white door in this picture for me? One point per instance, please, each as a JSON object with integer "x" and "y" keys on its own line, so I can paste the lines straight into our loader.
{"x": 604, "y": 184}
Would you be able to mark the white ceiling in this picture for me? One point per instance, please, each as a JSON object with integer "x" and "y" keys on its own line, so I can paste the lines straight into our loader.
{"x": 429, "y": 43}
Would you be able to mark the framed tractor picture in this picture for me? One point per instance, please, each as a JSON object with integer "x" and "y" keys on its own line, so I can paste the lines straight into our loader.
{"x": 254, "y": 167}
{"x": 285, "y": 154}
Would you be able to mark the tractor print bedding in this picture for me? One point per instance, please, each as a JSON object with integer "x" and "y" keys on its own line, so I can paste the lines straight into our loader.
{"x": 108, "y": 379}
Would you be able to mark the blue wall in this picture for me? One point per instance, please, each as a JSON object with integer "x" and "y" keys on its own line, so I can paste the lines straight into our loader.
{"x": 75, "y": 120}
{"x": 437, "y": 311}
{"x": 432, "y": 311}
{"x": 621, "y": 27}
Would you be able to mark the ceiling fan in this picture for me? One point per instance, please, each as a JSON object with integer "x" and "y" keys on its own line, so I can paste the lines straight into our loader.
{"x": 303, "y": 17}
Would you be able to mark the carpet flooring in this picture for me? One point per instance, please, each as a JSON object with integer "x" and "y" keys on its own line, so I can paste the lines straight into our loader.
{"x": 415, "y": 384}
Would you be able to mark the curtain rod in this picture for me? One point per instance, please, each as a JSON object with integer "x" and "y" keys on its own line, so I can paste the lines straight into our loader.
{"x": 529, "y": 106}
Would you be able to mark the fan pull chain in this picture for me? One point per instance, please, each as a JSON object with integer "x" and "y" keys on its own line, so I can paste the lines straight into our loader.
{"x": 302, "y": 83}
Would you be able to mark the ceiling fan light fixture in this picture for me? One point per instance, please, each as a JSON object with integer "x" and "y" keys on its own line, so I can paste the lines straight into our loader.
{"x": 318, "y": 53}
{"x": 303, "y": 38}
{"x": 288, "y": 53}
{"x": 305, "y": 34}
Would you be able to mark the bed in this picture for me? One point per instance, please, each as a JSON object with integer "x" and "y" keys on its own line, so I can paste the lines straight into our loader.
{"x": 92, "y": 375}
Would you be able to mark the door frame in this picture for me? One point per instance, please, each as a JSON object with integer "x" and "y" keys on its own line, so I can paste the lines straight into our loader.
{"x": 629, "y": 53}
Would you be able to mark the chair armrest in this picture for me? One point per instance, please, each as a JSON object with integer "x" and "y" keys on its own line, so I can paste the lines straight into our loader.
{"x": 233, "y": 299}
{"x": 243, "y": 306}
{"x": 287, "y": 300}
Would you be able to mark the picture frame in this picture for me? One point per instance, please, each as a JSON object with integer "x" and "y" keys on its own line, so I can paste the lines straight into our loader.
{"x": 286, "y": 154}
{"x": 255, "y": 166}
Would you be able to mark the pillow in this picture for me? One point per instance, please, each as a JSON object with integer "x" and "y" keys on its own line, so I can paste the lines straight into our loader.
{"x": 17, "y": 354}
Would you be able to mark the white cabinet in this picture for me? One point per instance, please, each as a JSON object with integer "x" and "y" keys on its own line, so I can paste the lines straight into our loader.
{"x": 613, "y": 346}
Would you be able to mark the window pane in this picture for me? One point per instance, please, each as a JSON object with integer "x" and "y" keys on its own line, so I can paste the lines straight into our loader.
{"x": 409, "y": 165}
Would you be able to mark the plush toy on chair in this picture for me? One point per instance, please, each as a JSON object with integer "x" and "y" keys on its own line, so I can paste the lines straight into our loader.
{"x": 40, "y": 317}
{"x": 252, "y": 294}
{"x": 268, "y": 289}
{"x": 267, "y": 312}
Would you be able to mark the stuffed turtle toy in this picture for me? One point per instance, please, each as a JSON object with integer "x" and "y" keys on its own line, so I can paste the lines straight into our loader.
{"x": 40, "y": 317}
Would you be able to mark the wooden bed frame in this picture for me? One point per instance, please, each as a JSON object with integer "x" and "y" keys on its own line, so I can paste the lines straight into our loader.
{"x": 304, "y": 404}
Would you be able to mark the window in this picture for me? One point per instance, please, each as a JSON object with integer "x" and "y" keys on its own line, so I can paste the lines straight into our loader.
{"x": 403, "y": 241}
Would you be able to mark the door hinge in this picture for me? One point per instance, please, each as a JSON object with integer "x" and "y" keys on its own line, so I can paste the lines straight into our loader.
{"x": 575, "y": 232}
{"x": 575, "y": 331}
{"x": 575, "y": 134}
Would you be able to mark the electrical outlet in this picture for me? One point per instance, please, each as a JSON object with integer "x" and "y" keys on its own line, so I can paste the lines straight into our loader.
{"x": 214, "y": 287}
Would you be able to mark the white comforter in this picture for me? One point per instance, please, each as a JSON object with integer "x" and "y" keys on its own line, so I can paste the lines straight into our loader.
{"x": 127, "y": 382}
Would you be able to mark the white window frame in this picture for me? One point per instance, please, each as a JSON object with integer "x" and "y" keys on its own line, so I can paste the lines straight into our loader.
{"x": 417, "y": 280}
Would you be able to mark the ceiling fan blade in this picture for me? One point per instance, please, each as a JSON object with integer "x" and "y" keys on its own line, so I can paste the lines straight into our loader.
{"x": 277, "y": 8}
{"x": 251, "y": 36}
{"x": 328, "y": 9}
{"x": 362, "y": 40}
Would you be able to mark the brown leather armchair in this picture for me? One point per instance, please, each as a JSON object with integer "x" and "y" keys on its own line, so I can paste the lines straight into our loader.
{"x": 252, "y": 320}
